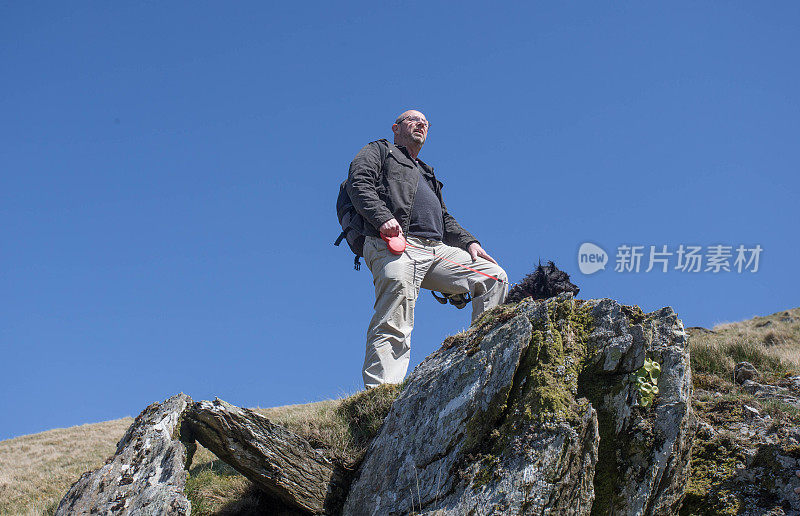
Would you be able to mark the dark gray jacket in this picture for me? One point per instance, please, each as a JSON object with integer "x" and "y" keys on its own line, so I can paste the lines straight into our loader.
{"x": 381, "y": 197}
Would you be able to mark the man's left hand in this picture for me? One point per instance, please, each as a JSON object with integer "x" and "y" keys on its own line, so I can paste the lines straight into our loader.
{"x": 476, "y": 250}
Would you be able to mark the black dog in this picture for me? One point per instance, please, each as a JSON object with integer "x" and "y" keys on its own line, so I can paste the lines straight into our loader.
{"x": 546, "y": 281}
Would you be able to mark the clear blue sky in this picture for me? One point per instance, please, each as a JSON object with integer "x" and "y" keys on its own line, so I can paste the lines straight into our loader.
{"x": 168, "y": 174}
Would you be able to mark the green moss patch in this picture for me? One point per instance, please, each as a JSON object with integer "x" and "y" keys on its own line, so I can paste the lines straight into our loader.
{"x": 543, "y": 388}
{"x": 614, "y": 449}
{"x": 546, "y": 382}
{"x": 711, "y": 490}
{"x": 632, "y": 445}
{"x": 716, "y": 486}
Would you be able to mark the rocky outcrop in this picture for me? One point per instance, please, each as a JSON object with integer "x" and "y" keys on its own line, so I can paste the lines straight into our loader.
{"x": 546, "y": 407}
{"x": 146, "y": 474}
{"x": 277, "y": 460}
{"x": 552, "y": 407}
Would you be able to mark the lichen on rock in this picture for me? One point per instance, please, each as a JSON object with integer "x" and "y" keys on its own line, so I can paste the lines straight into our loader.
{"x": 513, "y": 416}
{"x": 146, "y": 474}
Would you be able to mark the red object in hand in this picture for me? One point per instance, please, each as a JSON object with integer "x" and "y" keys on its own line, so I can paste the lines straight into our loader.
{"x": 396, "y": 244}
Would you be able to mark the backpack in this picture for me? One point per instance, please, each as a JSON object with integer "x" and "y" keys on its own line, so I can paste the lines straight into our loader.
{"x": 351, "y": 221}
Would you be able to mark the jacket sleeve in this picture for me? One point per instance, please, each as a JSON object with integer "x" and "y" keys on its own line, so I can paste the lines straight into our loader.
{"x": 454, "y": 234}
{"x": 362, "y": 186}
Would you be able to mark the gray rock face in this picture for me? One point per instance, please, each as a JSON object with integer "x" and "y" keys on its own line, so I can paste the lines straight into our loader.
{"x": 644, "y": 450}
{"x": 744, "y": 371}
{"x": 513, "y": 417}
{"x": 277, "y": 460}
{"x": 146, "y": 475}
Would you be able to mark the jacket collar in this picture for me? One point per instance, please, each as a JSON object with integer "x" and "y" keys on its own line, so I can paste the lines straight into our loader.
{"x": 404, "y": 157}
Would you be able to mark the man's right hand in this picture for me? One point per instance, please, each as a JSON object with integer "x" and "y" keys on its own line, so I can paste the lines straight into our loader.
{"x": 391, "y": 228}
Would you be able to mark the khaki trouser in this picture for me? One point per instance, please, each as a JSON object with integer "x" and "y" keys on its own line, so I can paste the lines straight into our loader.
{"x": 397, "y": 281}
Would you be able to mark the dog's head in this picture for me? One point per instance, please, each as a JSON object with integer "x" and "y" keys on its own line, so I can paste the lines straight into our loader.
{"x": 544, "y": 282}
{"x": 550, "y": 281}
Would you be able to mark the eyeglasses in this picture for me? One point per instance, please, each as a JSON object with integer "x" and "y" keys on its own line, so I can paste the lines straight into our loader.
{"x": 415, "y": 120}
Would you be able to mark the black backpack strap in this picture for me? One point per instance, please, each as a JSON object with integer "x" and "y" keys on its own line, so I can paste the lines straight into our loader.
{"x": 383, "y": 148}
{"x": 341, "y": 237}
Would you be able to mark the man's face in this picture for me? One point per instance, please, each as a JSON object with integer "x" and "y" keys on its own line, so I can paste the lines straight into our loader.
{"x": 412, "y": 128}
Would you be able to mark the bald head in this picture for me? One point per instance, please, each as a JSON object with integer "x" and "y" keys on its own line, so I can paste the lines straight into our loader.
{"x": 406, "y": 114}
{"x": 411, "y": 130}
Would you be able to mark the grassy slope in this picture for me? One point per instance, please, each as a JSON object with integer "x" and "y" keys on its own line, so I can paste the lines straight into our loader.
{"x": 770, "y": 343}
{"x": 36, "y": 470}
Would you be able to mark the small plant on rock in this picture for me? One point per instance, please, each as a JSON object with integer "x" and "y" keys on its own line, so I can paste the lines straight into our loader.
{"x": 646, "y": 381}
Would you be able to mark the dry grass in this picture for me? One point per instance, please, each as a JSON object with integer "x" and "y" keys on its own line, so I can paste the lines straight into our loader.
{"x": 212, "y": 486}
{"x": 770, "y": 343}
{"x": 36, "y": 470}
{"x": 342, "y": 428}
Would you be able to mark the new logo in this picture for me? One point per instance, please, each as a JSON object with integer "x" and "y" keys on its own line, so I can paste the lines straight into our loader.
{"x": 591, "y": 258}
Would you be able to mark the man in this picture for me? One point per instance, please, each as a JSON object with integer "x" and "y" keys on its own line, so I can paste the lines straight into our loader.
{"x": 403, "y": 197}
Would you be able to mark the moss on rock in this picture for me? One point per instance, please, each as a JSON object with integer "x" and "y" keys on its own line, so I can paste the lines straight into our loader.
{"x": 711, "y": 490}
{"x": 544, "y": 387}
{"x": 557, "y": 377}
{"x": 623, "y": 448}
{"x": 546, "y": 382}
{"x": 596, "y": 386}
{"x": 634, "y": 314}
